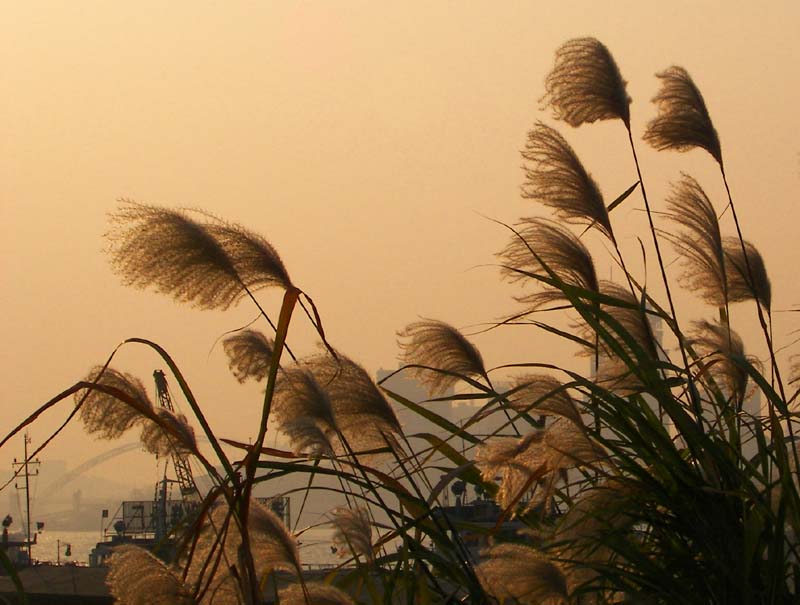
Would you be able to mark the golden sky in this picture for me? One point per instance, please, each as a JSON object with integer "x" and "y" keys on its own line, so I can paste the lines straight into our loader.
{"x": 365, "y": 140}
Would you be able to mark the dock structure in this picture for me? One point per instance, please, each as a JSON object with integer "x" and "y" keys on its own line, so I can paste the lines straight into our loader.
{"x": 81, "y": 585}
{"x": 58, "y": 585}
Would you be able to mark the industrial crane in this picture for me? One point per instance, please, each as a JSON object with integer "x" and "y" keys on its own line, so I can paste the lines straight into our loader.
{"x": 279, "y": 504}
{"x": 154, "y": 524}
{"x": 183, "y": 472}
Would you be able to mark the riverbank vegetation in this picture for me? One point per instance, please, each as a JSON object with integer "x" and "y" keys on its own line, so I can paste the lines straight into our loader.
{"x": 650, "y": 478}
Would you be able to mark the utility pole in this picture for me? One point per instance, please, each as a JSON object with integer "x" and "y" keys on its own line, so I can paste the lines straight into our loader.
{"x": 26, "y": 472}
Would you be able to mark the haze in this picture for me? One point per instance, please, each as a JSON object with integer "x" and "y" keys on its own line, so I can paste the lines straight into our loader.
{"x": 366, "y": 141}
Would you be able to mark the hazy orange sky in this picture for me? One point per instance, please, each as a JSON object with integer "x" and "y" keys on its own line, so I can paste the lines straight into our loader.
{"x": 364, "y": 140}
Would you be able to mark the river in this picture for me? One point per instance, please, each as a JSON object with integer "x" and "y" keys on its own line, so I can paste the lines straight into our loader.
{"x": 315, "y": 546}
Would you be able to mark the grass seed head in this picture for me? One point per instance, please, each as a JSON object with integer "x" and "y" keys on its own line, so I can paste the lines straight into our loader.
{"x": 556, "y": 177}
{"x": 106, "y": 416}
{"x": 585, "y": 84}
{"x": 683, "y": 122}
{"x": 543, "y": 241}
{"x": 302, "y": 409}
{"x": 700, "y": 244}
{"x": 518, "y": 572}
{"x": 353, "y": 531}
{"x": 137, "y": 577}
{"x": 249, "y": 354}
{"x": 747, "y": 273}
{"x": 256, "y": 261}
{"x": 542, "y": 394}
{"x": 168, "y": 251}
{"x": 362, "y": 413}
{"x": 440, "y": 346}
{"x": 172, "y": 435}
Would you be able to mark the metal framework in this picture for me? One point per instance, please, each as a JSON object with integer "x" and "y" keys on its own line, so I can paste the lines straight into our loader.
{"x": 183, "y": 472}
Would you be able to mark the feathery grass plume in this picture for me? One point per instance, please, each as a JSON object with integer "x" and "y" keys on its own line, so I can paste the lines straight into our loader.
{"x": 603, "y": 506}
{"x": 272, "y": 546}
{"x": 515, "y": 460}
{"x": 178, "y": 439}
{"x": 307, "y": 438}
{"x": 137, "y": 577}
{"x": 630, "y": 315}
{"x": 720, "y": 346}
{"x": 360, "y": 410}
{"x": 249, "y": 354}
{"x": 214, "y": 550}
{"x": 562, "y": 252}
{"x": 613, "y": 371}
{"x": 439, "y": 345}
{"x": 585, "y": 84}
{"x": 558, "y": 179}
{"x": 170, "y": 252}
{"x": 567, "y": 445}
{"x": 747, "y": 275}
{"x": 317, "y": 593}
{"x": 303, "y": 410}
{"x": 683, "y": 121}
{"x": 701, "y": 242}
{"x": 542, "y": 394}
{"x": 514, "y": 571}
{"x": 352, "y": 531}
{"x": 256, "y": 261}
{"x": 105, "y": 415}
{"x": 560, "y": 446}
{"x": 581, "y": 535}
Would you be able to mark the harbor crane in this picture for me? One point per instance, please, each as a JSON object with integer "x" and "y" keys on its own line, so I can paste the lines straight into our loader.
{"x": 183, "y": 472}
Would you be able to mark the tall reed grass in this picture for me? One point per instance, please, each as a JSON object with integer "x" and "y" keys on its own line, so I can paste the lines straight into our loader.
{"x": 645, "y": 479}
